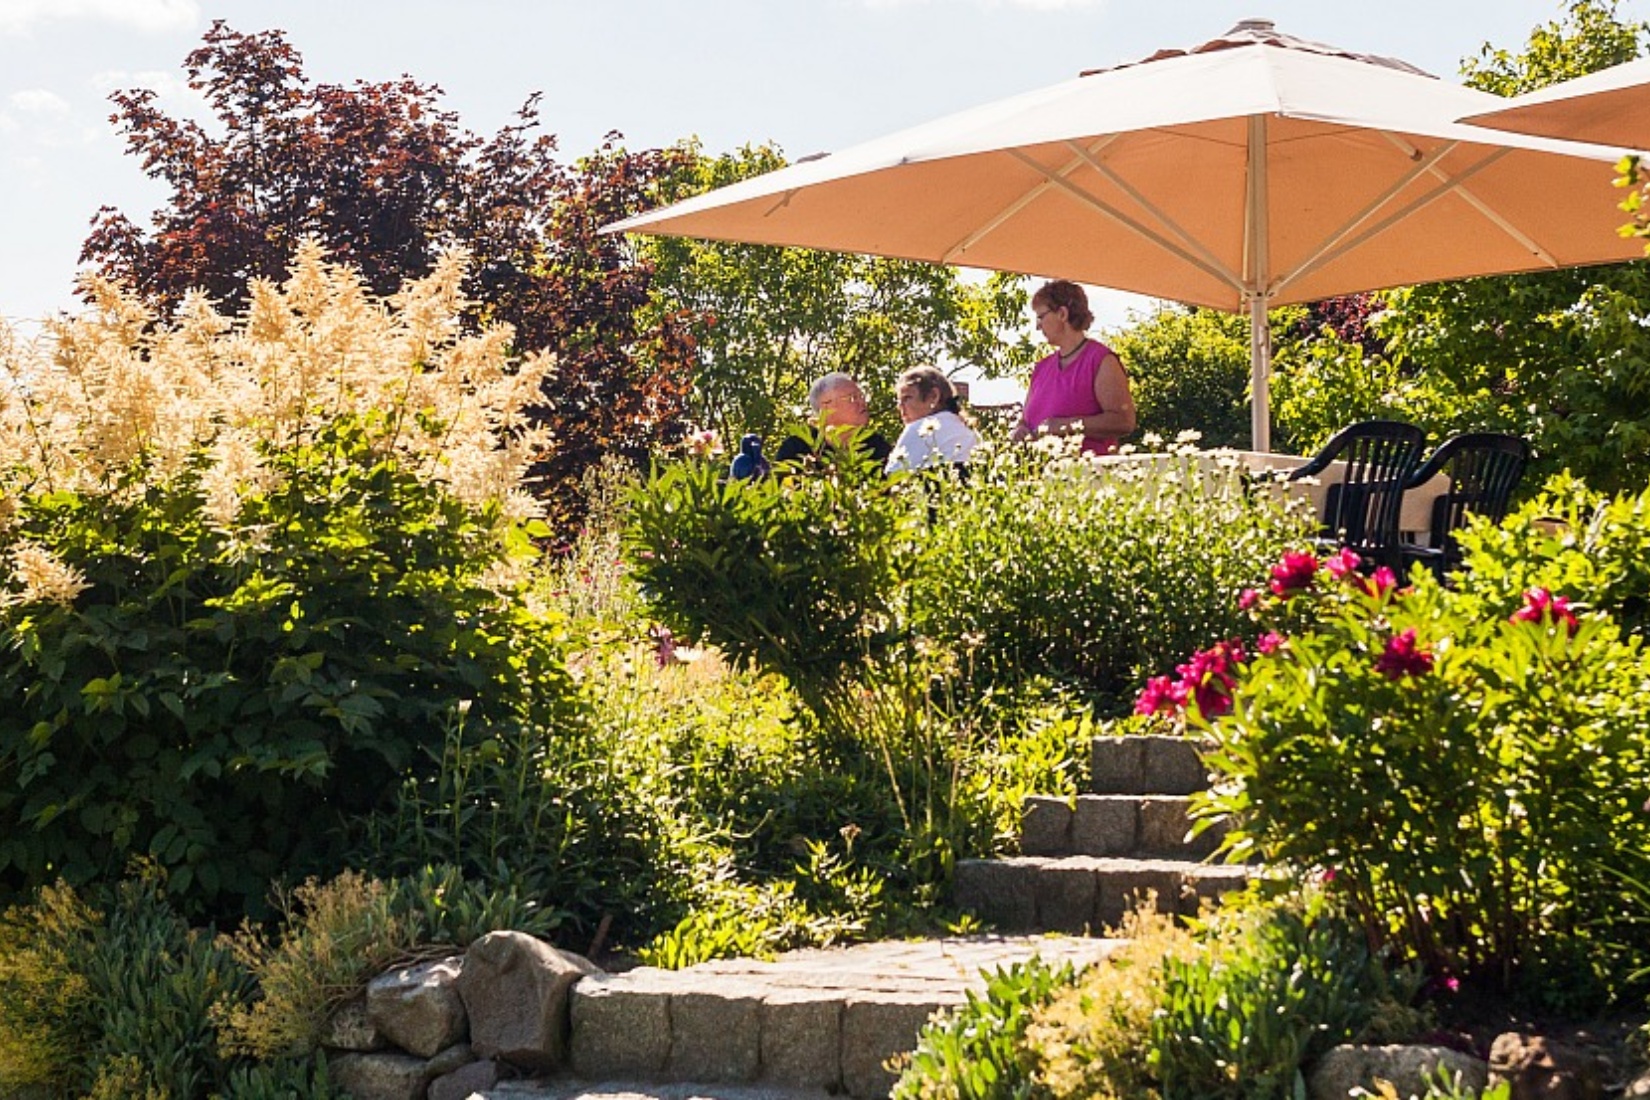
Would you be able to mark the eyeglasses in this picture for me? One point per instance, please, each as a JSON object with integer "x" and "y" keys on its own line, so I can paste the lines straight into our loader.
{"x": 1042, "y": 313}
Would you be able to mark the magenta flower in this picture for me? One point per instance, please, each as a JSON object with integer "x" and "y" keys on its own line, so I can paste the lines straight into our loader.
{"x": 1270, "y": 642}
{"x": 1248, "y": 598}
{"x": 1343, "y": 563}
{"x": 1382, "y": 581}
{"x": 1403, "y": 657}
{"x": 1541, "y": 606}
{"x": 1294, "y": 573}
{"x": 1162, "y": 695}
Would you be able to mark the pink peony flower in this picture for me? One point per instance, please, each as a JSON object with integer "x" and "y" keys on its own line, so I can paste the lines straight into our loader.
{"x": 1403, "y": 657}
{"x": 1248, "y": 598}
{"x": 1270, "y": 642}
{"x": 1294, "y": 573}
{"x": 1162, "y": 695}
{"x": 1541, "y": 606}
{"x": 1343, "y": 563}
{"x": 1382, "y": 581}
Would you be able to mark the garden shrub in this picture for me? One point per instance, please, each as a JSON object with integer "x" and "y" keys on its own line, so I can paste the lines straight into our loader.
{"x": 112, "y": 1000}
{"x": 1033, "y": 566}
{"x": 1036, "y": 566}
{"x": 793, "y": 573}
{"x": 1465, "y": 768}
{"x": 1234, "y": 1007}
{"x": 978, "y": 1052}
{"x": 255, "y": 566}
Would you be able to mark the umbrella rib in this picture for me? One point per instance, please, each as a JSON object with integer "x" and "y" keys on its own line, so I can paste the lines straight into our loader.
{"x": 1329, "y": 250}
{"x": 1397, "y": 216}
{"x": 1161, "y": 215}
{"x": 1110, "y": 211}
{"x": 1500, "y": 222}
{"x": 994, "y": 223}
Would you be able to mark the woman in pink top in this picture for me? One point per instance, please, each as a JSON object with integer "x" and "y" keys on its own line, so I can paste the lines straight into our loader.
{"x": 1082, "y": 388}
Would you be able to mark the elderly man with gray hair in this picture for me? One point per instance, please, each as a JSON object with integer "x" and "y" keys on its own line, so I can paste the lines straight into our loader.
{"x": 841, "y": 416}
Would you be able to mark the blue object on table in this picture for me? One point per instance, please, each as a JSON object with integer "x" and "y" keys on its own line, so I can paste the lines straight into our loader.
{"x": 749, "y": 463}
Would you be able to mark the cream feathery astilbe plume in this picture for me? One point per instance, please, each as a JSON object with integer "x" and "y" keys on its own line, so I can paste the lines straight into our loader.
{"x": 117, "y": 400}
{"x": 42, "y": 577}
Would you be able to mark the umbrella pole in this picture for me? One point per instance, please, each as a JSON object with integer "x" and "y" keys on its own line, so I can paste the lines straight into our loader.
{"x": 1260, "y": 372}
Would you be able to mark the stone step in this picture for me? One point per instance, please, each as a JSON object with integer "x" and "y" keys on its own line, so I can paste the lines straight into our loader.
{"x": 820, "y": 1021}
{"x": 1147, "y": 765}
{"x": 1145, "y": 825}
{"x": 1084, "y": 894}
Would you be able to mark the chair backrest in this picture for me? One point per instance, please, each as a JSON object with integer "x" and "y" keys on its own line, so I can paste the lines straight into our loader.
{"x": 1483, "y": 469}
{"x": 1361, "y": 508}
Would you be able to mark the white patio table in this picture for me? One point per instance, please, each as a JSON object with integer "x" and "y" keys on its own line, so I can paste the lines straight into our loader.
{"x": 1415, "y": 515}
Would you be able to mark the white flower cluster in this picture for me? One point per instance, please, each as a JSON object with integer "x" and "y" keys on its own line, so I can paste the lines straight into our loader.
{"x": 113, "y": 400}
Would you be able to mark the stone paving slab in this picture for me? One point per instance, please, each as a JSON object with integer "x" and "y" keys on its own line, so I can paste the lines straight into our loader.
{"x": 822, "y": 1020}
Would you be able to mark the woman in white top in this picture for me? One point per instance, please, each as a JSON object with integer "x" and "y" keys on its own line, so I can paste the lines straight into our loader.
{"x": 935, "y": 431}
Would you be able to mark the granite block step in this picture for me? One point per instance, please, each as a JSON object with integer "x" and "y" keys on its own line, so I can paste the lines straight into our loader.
{"x": 1147, "y": 765}
{"x": 1085, "y": 894}
{"x": 1145, "y": 825}
{"x": 807, "y": 1024}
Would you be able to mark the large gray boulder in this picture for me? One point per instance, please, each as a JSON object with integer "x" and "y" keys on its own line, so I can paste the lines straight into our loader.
{"x": 1408, "y": 1068}
{"x": 515, "y": 989}
{"x": 417, "y": 1008}
{"x": 1537, "y": 1068}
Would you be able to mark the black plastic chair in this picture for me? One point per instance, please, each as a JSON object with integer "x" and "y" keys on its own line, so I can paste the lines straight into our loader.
{"x": 1483, "y": 470}
{"x": 1361, "y": 507}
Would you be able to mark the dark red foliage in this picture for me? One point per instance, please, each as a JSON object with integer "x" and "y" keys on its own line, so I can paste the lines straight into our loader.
{"x": 386, "y": 179}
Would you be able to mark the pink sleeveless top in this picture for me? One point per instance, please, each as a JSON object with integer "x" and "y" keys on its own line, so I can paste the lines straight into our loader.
{"x": 1068, "y": 391}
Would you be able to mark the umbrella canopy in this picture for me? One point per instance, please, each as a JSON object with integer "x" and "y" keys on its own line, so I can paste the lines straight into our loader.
{"x": 1254, "y": 170}
{"x": 1611, "y": 107}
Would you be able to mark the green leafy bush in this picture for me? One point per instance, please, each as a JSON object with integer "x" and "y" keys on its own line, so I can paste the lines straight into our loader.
{"x": 1465, "y": 767}
{"x": 254, "y": 564}
{"x": 1233, "y": 1007}
{"x": 793, "y": 573}
{"x": 978, "y": 1052}
{"x": 1045, "y": 567}
{"x": 112, "y": 1001}
{"x": 189, "y": 683}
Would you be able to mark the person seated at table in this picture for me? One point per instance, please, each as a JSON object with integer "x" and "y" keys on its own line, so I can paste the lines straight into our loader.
{"x": 841, "y": 415}
{"x": 935, "y": 431}
{"x": 1082, "y": 388}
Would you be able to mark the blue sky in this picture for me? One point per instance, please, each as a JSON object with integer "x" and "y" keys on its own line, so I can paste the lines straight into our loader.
{"x": 811, "y": 75}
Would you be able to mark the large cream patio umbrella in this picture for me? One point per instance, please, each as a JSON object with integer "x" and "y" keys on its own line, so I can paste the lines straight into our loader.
{"x": 1255, "y": 170}
{"x": 1611, "y": 106}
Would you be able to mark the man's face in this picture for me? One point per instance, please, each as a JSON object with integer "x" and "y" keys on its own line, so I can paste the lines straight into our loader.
{"x": 844, "y": 407}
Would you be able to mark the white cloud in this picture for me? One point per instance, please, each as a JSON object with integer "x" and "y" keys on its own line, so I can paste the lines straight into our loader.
{"x": 39, "y": 103}
{"x": 152, "y": 16}
{"x": 43, "y": 118}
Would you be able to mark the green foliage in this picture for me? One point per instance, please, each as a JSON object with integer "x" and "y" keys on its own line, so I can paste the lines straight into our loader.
{"x": 1559, "y": 358}
{"x": 1234, "y": 1008}
{"x": 1487, "y": 766}
{"x": 114, "y": 1002}
{"x": 296, "y": 1079}
{"x": 791, "y": 573}
{"x": 1189, "y": 370}
{"x": 766, "y": 321}
{"x": 1048, "y": 567}
{"x": 1274, "y": 988}
{"x": 333, "y": 938}
{"x": 225, "y": 709}
{"x": 978, "y": 1051}
{"x": 1441, "y": 1085}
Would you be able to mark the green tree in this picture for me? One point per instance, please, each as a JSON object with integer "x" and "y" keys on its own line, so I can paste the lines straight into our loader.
{"x": 766, "y": 321}
{"x": 1189, "y": 370}
{"x": 386, "y": 179}
{"x": 1561, "y": 358}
